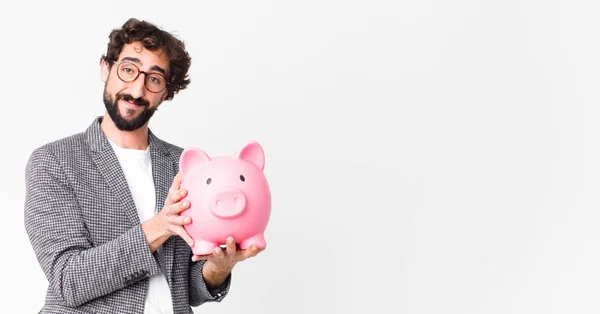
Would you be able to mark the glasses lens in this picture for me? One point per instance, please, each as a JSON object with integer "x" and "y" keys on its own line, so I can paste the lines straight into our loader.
{"x": 155, "y": 82}
{"x": 127, "y": 71}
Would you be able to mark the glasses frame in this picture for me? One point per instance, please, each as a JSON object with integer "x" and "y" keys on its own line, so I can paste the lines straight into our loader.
{"x": 139, "y": 71}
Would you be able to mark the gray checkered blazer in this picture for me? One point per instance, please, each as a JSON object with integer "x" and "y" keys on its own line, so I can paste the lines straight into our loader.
{"x": 86, "y": 234}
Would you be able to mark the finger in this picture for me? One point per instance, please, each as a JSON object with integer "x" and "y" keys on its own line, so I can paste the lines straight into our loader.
{"x": 177, "y": 195}
{"x": 230, "y": 246}
{"x": 249, "y": 252}
{"x": 177, "y": 208}
{"x": 218, "y": 252}
{"x": 169, "y": 199}
{"x": 252, "y": 251}
{"x": 177, "y": 181}
{"x": 180, "y": 220}
{"x": 173, "y": 196}
{"x": 205, "y": 257}
{"x": 185, "y": 236}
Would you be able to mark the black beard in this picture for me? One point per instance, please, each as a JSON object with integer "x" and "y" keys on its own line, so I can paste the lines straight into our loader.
{"x": 123, "y": 124}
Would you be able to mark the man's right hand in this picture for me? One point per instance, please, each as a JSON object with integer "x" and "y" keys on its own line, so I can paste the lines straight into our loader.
{"x": 168, "y": 222}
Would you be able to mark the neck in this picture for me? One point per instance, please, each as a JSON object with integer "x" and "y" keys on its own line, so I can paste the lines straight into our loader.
{"x": 136, "y": 139}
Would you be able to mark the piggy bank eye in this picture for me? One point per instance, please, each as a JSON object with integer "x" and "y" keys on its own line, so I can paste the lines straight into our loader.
{"x": 242, "y": 178}
{"x": 208, "y": 181}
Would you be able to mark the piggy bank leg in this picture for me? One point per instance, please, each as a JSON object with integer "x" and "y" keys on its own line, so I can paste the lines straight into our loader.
{"x": 258, "y": 239}
{"x": 203, "y": 247}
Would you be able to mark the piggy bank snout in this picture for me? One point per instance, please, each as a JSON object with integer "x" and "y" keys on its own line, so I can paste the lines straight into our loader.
{"x": 228, "y": 203}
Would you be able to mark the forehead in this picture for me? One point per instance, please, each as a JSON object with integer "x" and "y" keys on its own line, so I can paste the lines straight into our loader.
{"x": 146, "y": 57}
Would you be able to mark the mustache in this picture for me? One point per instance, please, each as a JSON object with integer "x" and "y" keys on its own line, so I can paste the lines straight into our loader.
{"x": 136, "y": 101}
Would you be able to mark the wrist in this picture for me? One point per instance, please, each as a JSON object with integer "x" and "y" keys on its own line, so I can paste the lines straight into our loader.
{"x": 214, "y": 268}
{"x": 214, "y": 276}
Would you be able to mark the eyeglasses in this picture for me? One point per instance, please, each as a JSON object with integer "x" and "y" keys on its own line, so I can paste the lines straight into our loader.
{"x": 129, "y": 72}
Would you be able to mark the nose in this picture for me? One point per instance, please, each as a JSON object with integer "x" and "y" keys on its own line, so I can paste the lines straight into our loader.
{"x": 228, "y": 203}
{"x": 137, "y": 88}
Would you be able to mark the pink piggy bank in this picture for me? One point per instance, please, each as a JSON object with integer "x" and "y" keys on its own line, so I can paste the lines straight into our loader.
{"x": 229, "y": 196}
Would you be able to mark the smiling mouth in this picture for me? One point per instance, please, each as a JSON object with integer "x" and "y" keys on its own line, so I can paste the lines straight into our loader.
{"x": 133, "y": 103}
{"x": 138, "y": 102}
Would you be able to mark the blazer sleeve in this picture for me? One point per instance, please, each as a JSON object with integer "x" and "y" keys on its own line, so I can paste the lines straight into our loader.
{"x": 199, "y": 292}
{"x": 77, "y": 271}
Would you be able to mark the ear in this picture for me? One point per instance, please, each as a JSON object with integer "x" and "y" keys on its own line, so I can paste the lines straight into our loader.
{"x": 191, "y": 157}
{"x": 104, "y": 70}
{"x": 253, "y": 153}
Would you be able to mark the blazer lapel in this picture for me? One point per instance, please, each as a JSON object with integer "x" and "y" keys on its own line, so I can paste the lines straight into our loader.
{"x": 163, "y": 171}
{"x": 109, "y": 167}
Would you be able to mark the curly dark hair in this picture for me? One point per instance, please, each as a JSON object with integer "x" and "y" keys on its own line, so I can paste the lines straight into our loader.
{"x": 152, "y": 38}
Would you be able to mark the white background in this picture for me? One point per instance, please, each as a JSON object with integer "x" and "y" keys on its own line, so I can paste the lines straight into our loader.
{"x": 424, "y": 156}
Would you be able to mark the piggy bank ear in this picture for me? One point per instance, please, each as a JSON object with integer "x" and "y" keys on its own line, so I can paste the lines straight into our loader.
{"x": 253, "y": 153}
{"x": 191, "y": 157}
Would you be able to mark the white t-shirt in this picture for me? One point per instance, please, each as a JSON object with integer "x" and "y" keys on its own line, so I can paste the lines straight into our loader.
{"x": 137, "y": 167}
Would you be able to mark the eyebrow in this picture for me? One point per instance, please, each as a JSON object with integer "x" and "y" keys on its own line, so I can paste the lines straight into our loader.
{"x": 152, "y": 68}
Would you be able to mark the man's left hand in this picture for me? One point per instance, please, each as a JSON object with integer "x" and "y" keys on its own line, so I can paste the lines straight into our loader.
{"x": 220, "y": 264}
